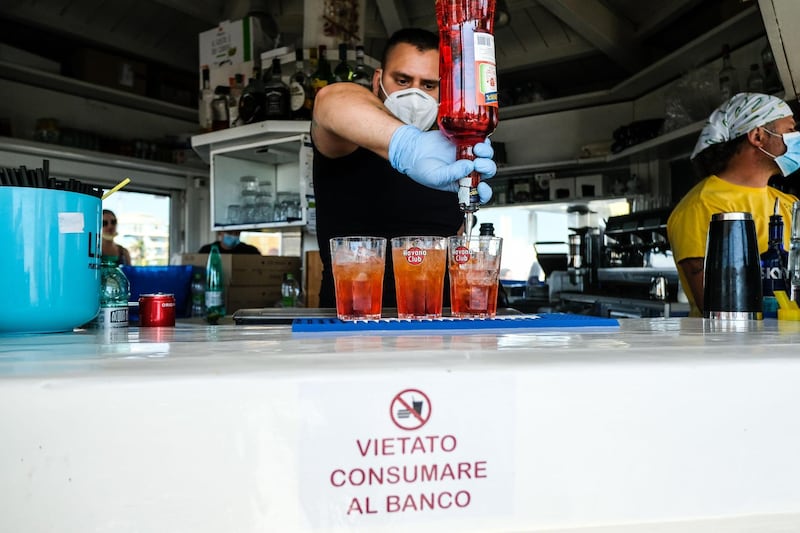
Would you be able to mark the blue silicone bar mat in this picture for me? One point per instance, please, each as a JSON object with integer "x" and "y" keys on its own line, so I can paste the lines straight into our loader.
{"x": 511, "y": 322}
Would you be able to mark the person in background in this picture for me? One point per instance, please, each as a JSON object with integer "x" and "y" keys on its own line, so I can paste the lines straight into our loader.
{"x": 747, "y": 140}
{"x": 109, "y": 247}
{"x": 229, "y": 243}
{"x": 378, "y": 167}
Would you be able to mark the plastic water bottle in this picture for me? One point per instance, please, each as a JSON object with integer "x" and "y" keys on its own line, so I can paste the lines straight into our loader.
{"x": 114, "y": 294}
{"x": 198, "y": 295}
{"x": 215, "y": 287}
{"x": 290, "y": 291}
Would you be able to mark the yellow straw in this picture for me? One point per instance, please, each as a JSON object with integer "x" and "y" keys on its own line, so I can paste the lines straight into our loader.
{"x": 117, "y": 187}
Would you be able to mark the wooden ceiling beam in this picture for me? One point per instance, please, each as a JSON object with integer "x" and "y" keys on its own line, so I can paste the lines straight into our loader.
{"x": 602, "y": 28}
{"x": 663, "y": 14}
{"x": 394, "y": 15}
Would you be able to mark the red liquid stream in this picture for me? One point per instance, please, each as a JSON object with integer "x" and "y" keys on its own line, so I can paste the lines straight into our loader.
{"x": 462, "y": 118}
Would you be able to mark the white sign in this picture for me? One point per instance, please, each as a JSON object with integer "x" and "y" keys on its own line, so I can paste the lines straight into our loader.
{"x": 379, "y": 453}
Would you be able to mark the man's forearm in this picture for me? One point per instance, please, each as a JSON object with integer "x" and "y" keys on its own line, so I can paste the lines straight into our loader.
{"x": 346, "y": 115}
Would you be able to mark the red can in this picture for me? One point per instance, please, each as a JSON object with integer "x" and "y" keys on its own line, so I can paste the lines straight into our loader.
{"x": 156, "y": 310}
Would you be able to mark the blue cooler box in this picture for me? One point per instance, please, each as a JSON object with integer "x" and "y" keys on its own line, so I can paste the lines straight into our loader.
{"x": 173, "y": 279}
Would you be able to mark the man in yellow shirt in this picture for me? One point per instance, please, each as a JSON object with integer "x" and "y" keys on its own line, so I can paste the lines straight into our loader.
{"x": 748, "y": 139}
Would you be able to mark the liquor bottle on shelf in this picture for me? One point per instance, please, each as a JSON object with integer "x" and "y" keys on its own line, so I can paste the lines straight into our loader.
{"x": 772, "y": 81}
{"x": 755, "y": 81}
{"x": 206, "y": 97}
{"x": 115, "y": 291}
{"x": 774, "y": 265}
{"x": 323, "y": 75}
{"x": 215, "y": 287}
{"x": 252, "y": 103}
{"x": 343, "y": 71}
{"x": 362, "y": 74}
{"x": 276, "y": 94}
{"x": 728, "y": 76}
{"x": 236, "y": 86}
{"x": 468, "y": 85}
{"x": 300, "y": 89}
{"x": 219, "y": 108}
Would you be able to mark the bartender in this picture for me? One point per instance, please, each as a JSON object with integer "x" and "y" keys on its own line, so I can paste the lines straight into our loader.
{"x": 379, "y": 168}
{"x": 747, "y": 140}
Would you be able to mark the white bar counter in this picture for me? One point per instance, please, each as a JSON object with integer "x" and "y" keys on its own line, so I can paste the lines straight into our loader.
{"x": 660, "y": 425}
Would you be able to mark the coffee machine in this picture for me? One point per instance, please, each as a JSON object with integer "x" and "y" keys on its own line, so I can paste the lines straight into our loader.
{"x": 637, "y": 261}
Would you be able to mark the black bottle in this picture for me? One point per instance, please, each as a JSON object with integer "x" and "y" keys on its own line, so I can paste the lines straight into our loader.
{"x": 276, "y": 94}
{"x": 774, "y": 267}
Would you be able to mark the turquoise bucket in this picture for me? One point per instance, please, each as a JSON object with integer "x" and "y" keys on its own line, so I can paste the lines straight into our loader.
{"x": 50, "y": 278}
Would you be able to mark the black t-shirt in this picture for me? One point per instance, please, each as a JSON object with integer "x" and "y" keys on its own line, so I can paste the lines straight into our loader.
{"x": 240, "y": 248}
{"x": 361, "y": 194}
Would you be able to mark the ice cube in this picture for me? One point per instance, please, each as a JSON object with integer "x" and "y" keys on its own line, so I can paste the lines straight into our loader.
{"x": 362, "y": 293}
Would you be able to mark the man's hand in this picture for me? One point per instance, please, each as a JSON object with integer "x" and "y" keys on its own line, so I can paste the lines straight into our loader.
{"x": 430, "y": 159}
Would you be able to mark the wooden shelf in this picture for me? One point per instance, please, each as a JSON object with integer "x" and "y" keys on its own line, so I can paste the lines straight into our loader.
{"x": 64, "y": 84}
{"x": 98, "y": 166}
{"x": 736, "y": 31}
{"x": 255, "y": 135}
{"x": 658, "y": 147}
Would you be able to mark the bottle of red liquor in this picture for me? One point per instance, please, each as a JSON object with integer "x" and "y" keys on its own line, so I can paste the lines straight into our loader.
{"x": 468, "y": 86}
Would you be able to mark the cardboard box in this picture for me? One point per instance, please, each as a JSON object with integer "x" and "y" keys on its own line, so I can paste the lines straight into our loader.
{"x": 247, "y": 269}
{"x": 233, "y": 47}
{"x": 593, "y": 186}
{"x": 562, "y": 188}
{"x": 109, "y": 70}
{"x": 251, "y": 297}
{"x": 251, "y": 281}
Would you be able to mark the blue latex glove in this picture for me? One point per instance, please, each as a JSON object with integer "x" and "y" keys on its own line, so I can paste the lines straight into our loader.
{"x": 430, "y": 159}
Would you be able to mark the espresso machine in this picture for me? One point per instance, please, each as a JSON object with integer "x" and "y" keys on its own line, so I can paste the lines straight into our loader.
{"x": 637, "y": 261}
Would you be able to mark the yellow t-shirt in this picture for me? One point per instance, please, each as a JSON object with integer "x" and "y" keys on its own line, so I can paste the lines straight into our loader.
{"x": 687, "y": 227}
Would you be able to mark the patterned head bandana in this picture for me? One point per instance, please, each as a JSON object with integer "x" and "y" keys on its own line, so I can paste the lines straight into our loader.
{"x": 737, "y": 116}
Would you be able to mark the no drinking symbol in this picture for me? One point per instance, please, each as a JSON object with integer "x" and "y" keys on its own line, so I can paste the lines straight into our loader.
{"x": 410, "y": 409}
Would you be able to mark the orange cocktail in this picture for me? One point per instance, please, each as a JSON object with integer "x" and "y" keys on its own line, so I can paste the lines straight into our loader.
{"x": 474, "y": 265}
{"x": 419, "y": 264}
{"x": 358, "y": 264}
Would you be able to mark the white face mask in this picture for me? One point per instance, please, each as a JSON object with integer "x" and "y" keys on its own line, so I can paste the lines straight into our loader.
{"x": 412, "y": 106}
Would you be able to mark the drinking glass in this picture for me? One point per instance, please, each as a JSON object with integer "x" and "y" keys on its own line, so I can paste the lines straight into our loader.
{"x": 419, "y": 264}
{"x": 358, "y": 265}
{"x": 474, "y": 264}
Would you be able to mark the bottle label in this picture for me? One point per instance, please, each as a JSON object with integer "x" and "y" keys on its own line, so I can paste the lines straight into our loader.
{"x": 485, "y": 69}
{"x": 113, "y": 317}
{"x": 213, "y": 298}
{"x": 297, "y": 96}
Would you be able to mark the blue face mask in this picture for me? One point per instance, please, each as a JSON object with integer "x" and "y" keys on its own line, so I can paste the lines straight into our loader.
{"x": 229, "y": 241}
{"x": 789, "y": 161}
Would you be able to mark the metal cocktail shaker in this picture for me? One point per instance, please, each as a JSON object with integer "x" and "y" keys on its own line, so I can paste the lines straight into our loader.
{"x": 732, "y": 284}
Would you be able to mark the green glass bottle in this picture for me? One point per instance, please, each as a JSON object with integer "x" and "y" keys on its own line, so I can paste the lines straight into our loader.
{"x": 323, "y": 75}
{"x": 343, "y": 71}
{"x": 215, "y": 287}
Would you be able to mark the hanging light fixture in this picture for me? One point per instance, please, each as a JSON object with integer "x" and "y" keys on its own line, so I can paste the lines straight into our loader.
{"x": 501, "y": 14}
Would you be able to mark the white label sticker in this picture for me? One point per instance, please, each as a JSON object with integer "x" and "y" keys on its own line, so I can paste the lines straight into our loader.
{"x": 484, "y": 47}
{"x": 70, "y": 223}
